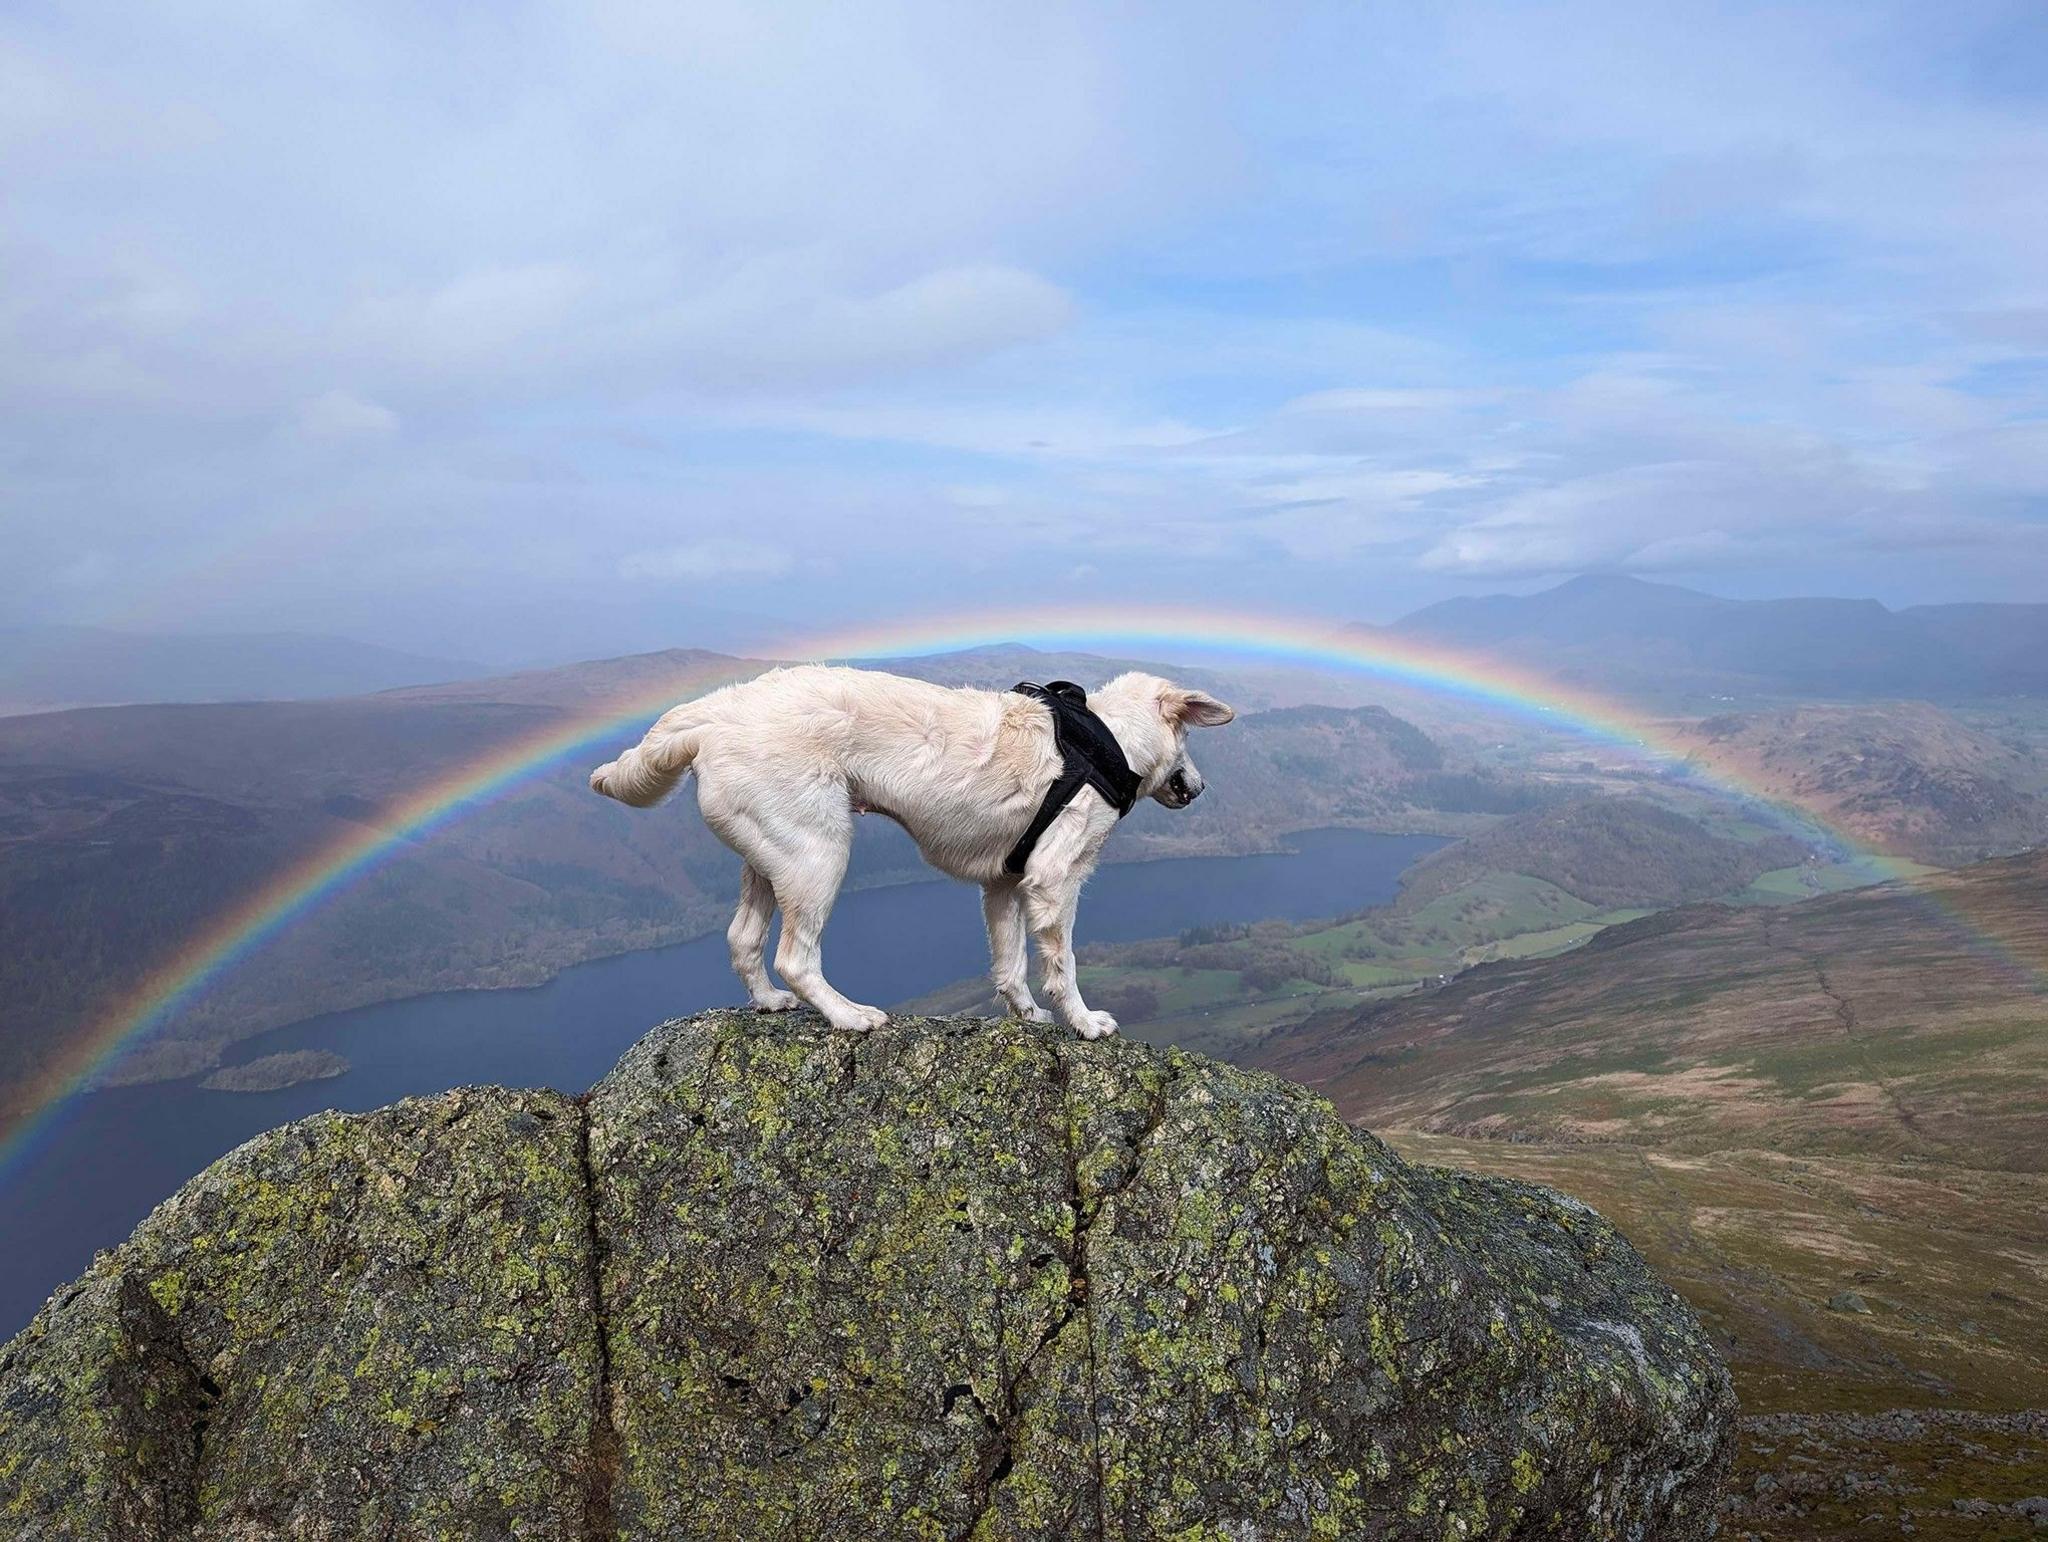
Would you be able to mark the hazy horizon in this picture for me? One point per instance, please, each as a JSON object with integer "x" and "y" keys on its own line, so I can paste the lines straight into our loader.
{"x": 761, "y": 634}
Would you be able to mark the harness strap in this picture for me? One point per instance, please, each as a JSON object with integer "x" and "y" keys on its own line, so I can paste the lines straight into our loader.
{"x": 1089, "y": 757}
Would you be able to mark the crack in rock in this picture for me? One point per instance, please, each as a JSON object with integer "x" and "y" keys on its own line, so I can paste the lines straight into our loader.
{"x": 600, "y": 1520}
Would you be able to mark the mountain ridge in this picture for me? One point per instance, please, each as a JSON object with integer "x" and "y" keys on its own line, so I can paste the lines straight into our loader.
{"x": 43, "y": 668}
{"x": 1654, "y": 638}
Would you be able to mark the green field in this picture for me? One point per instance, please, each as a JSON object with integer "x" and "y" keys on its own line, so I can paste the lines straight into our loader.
{"x": 1783, "y": 885}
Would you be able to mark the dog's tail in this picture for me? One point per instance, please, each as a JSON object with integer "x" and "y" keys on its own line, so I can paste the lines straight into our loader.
{"x": 649, "y": 771}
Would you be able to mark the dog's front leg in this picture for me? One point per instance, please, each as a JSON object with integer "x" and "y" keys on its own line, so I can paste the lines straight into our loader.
{"x": 1050, "y": 908}
{"x": 1002, "y": 907}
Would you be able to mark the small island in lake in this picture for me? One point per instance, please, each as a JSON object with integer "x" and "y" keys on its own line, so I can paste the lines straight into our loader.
{"x": 271, "y": 1072}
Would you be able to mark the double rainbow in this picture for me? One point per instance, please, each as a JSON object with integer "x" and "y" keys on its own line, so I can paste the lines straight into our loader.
{"x": 299, "y": 889}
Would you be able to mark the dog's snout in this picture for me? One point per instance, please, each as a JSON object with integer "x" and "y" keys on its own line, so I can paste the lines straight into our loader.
{"x": 1185, "y": 787}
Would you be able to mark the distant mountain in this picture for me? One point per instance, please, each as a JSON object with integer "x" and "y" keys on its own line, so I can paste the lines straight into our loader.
{"x": 74, "y": 666}
{"x": 1011, "y": 662}
{"x": 1656, "y": 639}
{"x": 1299, "y": 768}
{"x": 2003, "y": 641}
{"x": 1905, "y": 776}
{"x": 647, "y": 681}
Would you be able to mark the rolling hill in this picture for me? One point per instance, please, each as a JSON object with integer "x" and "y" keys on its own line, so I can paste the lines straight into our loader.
{"x": 1661, "y": 640}
{"x": 1611, "y": 853}
{"x": 125, "y": 830}
{"x": 1869, "y": 1023}
{"x": 1904, "y": 776}
{"x": 1826, "y": 1123}
{"x": 1531, "y": 885}
{"x": 44, "y": 667}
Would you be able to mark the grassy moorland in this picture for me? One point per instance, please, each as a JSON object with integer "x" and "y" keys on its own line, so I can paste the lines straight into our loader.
{"x": 1826, "y": 1124}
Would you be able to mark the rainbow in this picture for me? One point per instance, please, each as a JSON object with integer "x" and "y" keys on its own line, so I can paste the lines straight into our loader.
{"x": 240, "y": 931}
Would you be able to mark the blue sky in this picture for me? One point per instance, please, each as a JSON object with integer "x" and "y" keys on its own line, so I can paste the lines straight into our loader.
{"x": 520, "y": 331}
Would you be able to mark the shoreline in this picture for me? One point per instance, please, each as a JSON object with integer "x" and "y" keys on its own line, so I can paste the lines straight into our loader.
{"x": 686, "y": 931}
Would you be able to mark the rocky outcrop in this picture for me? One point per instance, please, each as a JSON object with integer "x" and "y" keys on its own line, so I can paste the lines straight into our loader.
{"x": 956, "y": 1279}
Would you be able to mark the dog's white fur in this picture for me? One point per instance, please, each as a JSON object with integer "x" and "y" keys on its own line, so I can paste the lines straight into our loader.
{"x": 786, "y": 760}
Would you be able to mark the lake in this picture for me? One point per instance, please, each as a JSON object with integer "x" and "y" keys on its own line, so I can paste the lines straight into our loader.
{"x": 116, "y": 1154}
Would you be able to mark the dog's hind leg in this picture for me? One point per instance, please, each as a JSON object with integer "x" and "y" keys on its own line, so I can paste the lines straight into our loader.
{"x": 1009, "y": 963}
{"x": 802, "y": 853}
{"x": 804, "y": 889}
{"x": 748, "y": 935}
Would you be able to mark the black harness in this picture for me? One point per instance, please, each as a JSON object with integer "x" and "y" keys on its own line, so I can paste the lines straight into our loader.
{"x": 1089, "y": 757}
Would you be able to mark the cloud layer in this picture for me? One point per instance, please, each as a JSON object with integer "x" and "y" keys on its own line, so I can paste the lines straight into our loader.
{"x": 518, "y": 331}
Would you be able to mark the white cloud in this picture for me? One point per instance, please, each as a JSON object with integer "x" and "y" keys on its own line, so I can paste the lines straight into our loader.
{"x": 482, "y": 318}
{"x": 951, "y": 314}
{"x": 716, "y": 558}
{"x": 779, "y": 328}
{"x": 341, "y": 415}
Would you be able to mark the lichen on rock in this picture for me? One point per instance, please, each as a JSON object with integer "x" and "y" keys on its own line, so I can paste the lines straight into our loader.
{"x": 958, "y": 1279}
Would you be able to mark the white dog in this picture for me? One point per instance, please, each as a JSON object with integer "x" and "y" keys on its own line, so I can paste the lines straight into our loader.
{"x": 785, "y": 761}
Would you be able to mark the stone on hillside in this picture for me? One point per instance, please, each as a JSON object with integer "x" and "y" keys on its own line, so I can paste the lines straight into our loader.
{"x": 957, "y": 1279}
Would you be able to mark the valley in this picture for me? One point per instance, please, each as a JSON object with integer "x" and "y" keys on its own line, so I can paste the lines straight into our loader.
{"x": 1529, "y": 885}
{"x": 1579, "y": 473}
{"x": 102, "y": 1162}
{"x": 125, "y": 832}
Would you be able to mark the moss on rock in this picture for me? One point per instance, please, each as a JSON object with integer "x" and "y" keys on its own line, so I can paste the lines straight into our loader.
{"x": 366, "y": 1326}
{"x": 957, "y": 1279}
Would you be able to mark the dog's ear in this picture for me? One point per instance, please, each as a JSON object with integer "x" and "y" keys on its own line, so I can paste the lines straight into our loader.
{"x": 1197, "y": 709}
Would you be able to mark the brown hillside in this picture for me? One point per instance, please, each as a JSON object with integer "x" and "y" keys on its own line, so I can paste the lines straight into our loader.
{"x": 1906, "y": 776}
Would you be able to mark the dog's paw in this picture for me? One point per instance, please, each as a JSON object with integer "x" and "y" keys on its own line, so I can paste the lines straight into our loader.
{"x": 1096, "y": 1025}
{"x": 861, "y": 1019}
{"x": 1033, "y": 1013}
{"x": 777, "y": 1001}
